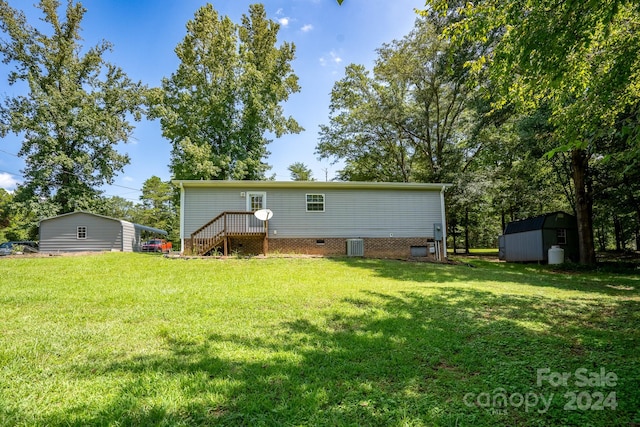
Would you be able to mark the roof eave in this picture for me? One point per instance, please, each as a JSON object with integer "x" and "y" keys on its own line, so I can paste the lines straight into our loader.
{"x": 354, "y": 185}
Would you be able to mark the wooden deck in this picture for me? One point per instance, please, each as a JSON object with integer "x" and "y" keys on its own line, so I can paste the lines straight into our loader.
{"x": 216, "y": 233}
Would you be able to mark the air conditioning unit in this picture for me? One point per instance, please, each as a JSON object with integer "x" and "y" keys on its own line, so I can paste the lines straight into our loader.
{"x": 355, "y": 247}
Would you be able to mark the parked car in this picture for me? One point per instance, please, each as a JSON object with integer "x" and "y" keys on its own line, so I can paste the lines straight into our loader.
{"x": 18, "y": 246}
{"x": 156, "y": 245}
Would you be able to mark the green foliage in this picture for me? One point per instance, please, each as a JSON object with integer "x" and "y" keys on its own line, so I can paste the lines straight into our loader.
{"x": 578, "y": 60}
{"x": 132, "y": 339}
{"x": 406, "y": 121}
{"x": 225, "y": 95}
{"x": 77, "y": 109}
{"x": 118, "y": 207}
{"x": 300, "y": 172}
{"x": 158, "y": 209}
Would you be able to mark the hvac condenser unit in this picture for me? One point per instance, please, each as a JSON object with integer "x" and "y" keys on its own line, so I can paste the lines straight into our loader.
{"x": 355, "y": 247}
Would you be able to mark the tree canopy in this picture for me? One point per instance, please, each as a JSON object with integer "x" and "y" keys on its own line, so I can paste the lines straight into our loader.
{"x": 403, "y": 121}
{"x": 579, "y": 60}
{"x": 77, "y": 109}
{"x": 300, "y": 172}
{"x": 225, "y": 96}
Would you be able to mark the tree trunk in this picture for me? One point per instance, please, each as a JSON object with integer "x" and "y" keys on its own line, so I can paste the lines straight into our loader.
{"x": 602, "y": 238}
{"x": 579, "y": 166}
{"x": 466, "y": 231}
{"x": 454, "y": 226}
{"x": 618, "y": 232}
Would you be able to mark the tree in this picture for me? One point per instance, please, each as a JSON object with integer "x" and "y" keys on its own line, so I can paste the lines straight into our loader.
{"x": 117, "y": 207}
{"x": 158, "y": 207}
{"x": 300, "y": 172}
{"x": 405, "y": 122}
{"x": 580, "y": 59}
{"x": 226, "y": 95}
{"x": 77, "y": 109}
{"x": 157, "y": 204}
{"x": 5, "y": 218}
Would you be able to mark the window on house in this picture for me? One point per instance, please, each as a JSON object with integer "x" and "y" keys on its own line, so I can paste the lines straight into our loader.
{"x": 82, "y": 232}
{"x": 561, "y": 236}
{"x": 315, "y": 202}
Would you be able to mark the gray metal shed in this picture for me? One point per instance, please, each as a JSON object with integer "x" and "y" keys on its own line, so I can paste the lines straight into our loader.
{"x": 84, "y": 231}
{"x": 529, "y": 240}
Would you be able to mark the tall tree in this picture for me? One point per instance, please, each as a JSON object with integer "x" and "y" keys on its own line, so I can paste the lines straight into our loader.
{"x": 403, "y": 122}
{"x": 226, "y": 95}
{"x": 300, "y": 172}
{"x": 579, "y": 58}
{"x": 5, "y": 217}
{"x": 158, "y": 208}
{"x": 77, "y": 109}
{"x": 117, "y": 207}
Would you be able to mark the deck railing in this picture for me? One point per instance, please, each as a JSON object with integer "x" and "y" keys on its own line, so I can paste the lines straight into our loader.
{"x": 228, "y": 224}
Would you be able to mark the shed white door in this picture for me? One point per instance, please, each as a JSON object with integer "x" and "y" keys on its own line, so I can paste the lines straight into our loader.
{"x": 255, "y": 201}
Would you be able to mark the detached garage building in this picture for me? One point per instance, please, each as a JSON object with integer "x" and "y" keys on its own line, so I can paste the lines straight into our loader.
{"x": 529, "y": 240}
{"x": 84, "y": 231}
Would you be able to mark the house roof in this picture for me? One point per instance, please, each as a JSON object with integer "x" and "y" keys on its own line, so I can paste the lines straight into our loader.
{"x": 529, "y": 224}
{"x": 137, "y": 226}
{"x": 352, "y": 185}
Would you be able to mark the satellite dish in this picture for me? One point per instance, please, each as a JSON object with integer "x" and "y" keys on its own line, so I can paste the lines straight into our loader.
{"x": 263, "y": 214}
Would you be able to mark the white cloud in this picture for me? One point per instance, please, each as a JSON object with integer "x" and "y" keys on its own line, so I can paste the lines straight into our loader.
{"x": 284, "y": 21}
{"x": 331, "y": 59}
{"x": 7, "y": 181}
{"x": 306, "y": 28}
{"x": 128, "y": 179}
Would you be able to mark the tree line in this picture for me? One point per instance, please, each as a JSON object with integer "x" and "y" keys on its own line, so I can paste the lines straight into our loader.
{"x": 215, "y": 110}
{"x": 524, "y": 110}
{"x": 526, "y": 107}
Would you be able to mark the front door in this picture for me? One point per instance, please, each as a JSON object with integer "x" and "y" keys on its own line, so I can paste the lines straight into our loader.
{"x": 255, "y": 201}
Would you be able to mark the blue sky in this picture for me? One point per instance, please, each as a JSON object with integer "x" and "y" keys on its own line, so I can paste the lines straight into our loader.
{"x": 144, "y": 34}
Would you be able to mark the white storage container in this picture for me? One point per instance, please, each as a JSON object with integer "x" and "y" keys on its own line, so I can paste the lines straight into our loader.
{"x": 556, "y": 255}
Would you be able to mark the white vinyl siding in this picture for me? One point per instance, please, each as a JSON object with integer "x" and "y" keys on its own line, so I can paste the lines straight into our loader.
{"x": 201, "y": 205}
{"x": 349, "y": 213}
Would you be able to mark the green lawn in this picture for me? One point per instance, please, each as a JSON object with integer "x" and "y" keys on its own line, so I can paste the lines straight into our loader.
{"x": 133, "y": 339}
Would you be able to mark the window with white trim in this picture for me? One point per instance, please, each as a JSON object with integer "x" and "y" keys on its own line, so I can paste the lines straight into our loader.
{"x": 561, "y": 236}
{"x": 315, "y": 202}
{"x": 81, "y": 232}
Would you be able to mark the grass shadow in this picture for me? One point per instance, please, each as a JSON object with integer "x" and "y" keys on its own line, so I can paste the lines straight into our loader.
{"x": 611, "y": 282}
{"x": 378, "y": 358}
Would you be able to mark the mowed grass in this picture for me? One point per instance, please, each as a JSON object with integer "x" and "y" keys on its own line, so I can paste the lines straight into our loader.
{"x": 133, "y": 339}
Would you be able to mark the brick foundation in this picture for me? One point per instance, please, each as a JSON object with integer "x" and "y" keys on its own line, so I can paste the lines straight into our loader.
{"x": 389, "y": 247}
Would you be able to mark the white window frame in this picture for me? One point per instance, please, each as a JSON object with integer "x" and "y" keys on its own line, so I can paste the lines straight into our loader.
{"x": 315, "y": 202}
{"x": 263, "y": 194}
{"x": 252, "y": 223}
{"x": 561, "y": 233}
{"x": 81, "y": 230}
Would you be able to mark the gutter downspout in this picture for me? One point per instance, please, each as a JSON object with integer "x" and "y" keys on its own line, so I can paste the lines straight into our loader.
{"x": 444, "y": 223}
{"x": 181, "y": 219}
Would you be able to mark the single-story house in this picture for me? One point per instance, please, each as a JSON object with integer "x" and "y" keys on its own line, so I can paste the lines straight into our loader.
{"x": 84, "y": 231}
{"x": 529, "y": 240}
{"x": 373, "y": 219}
